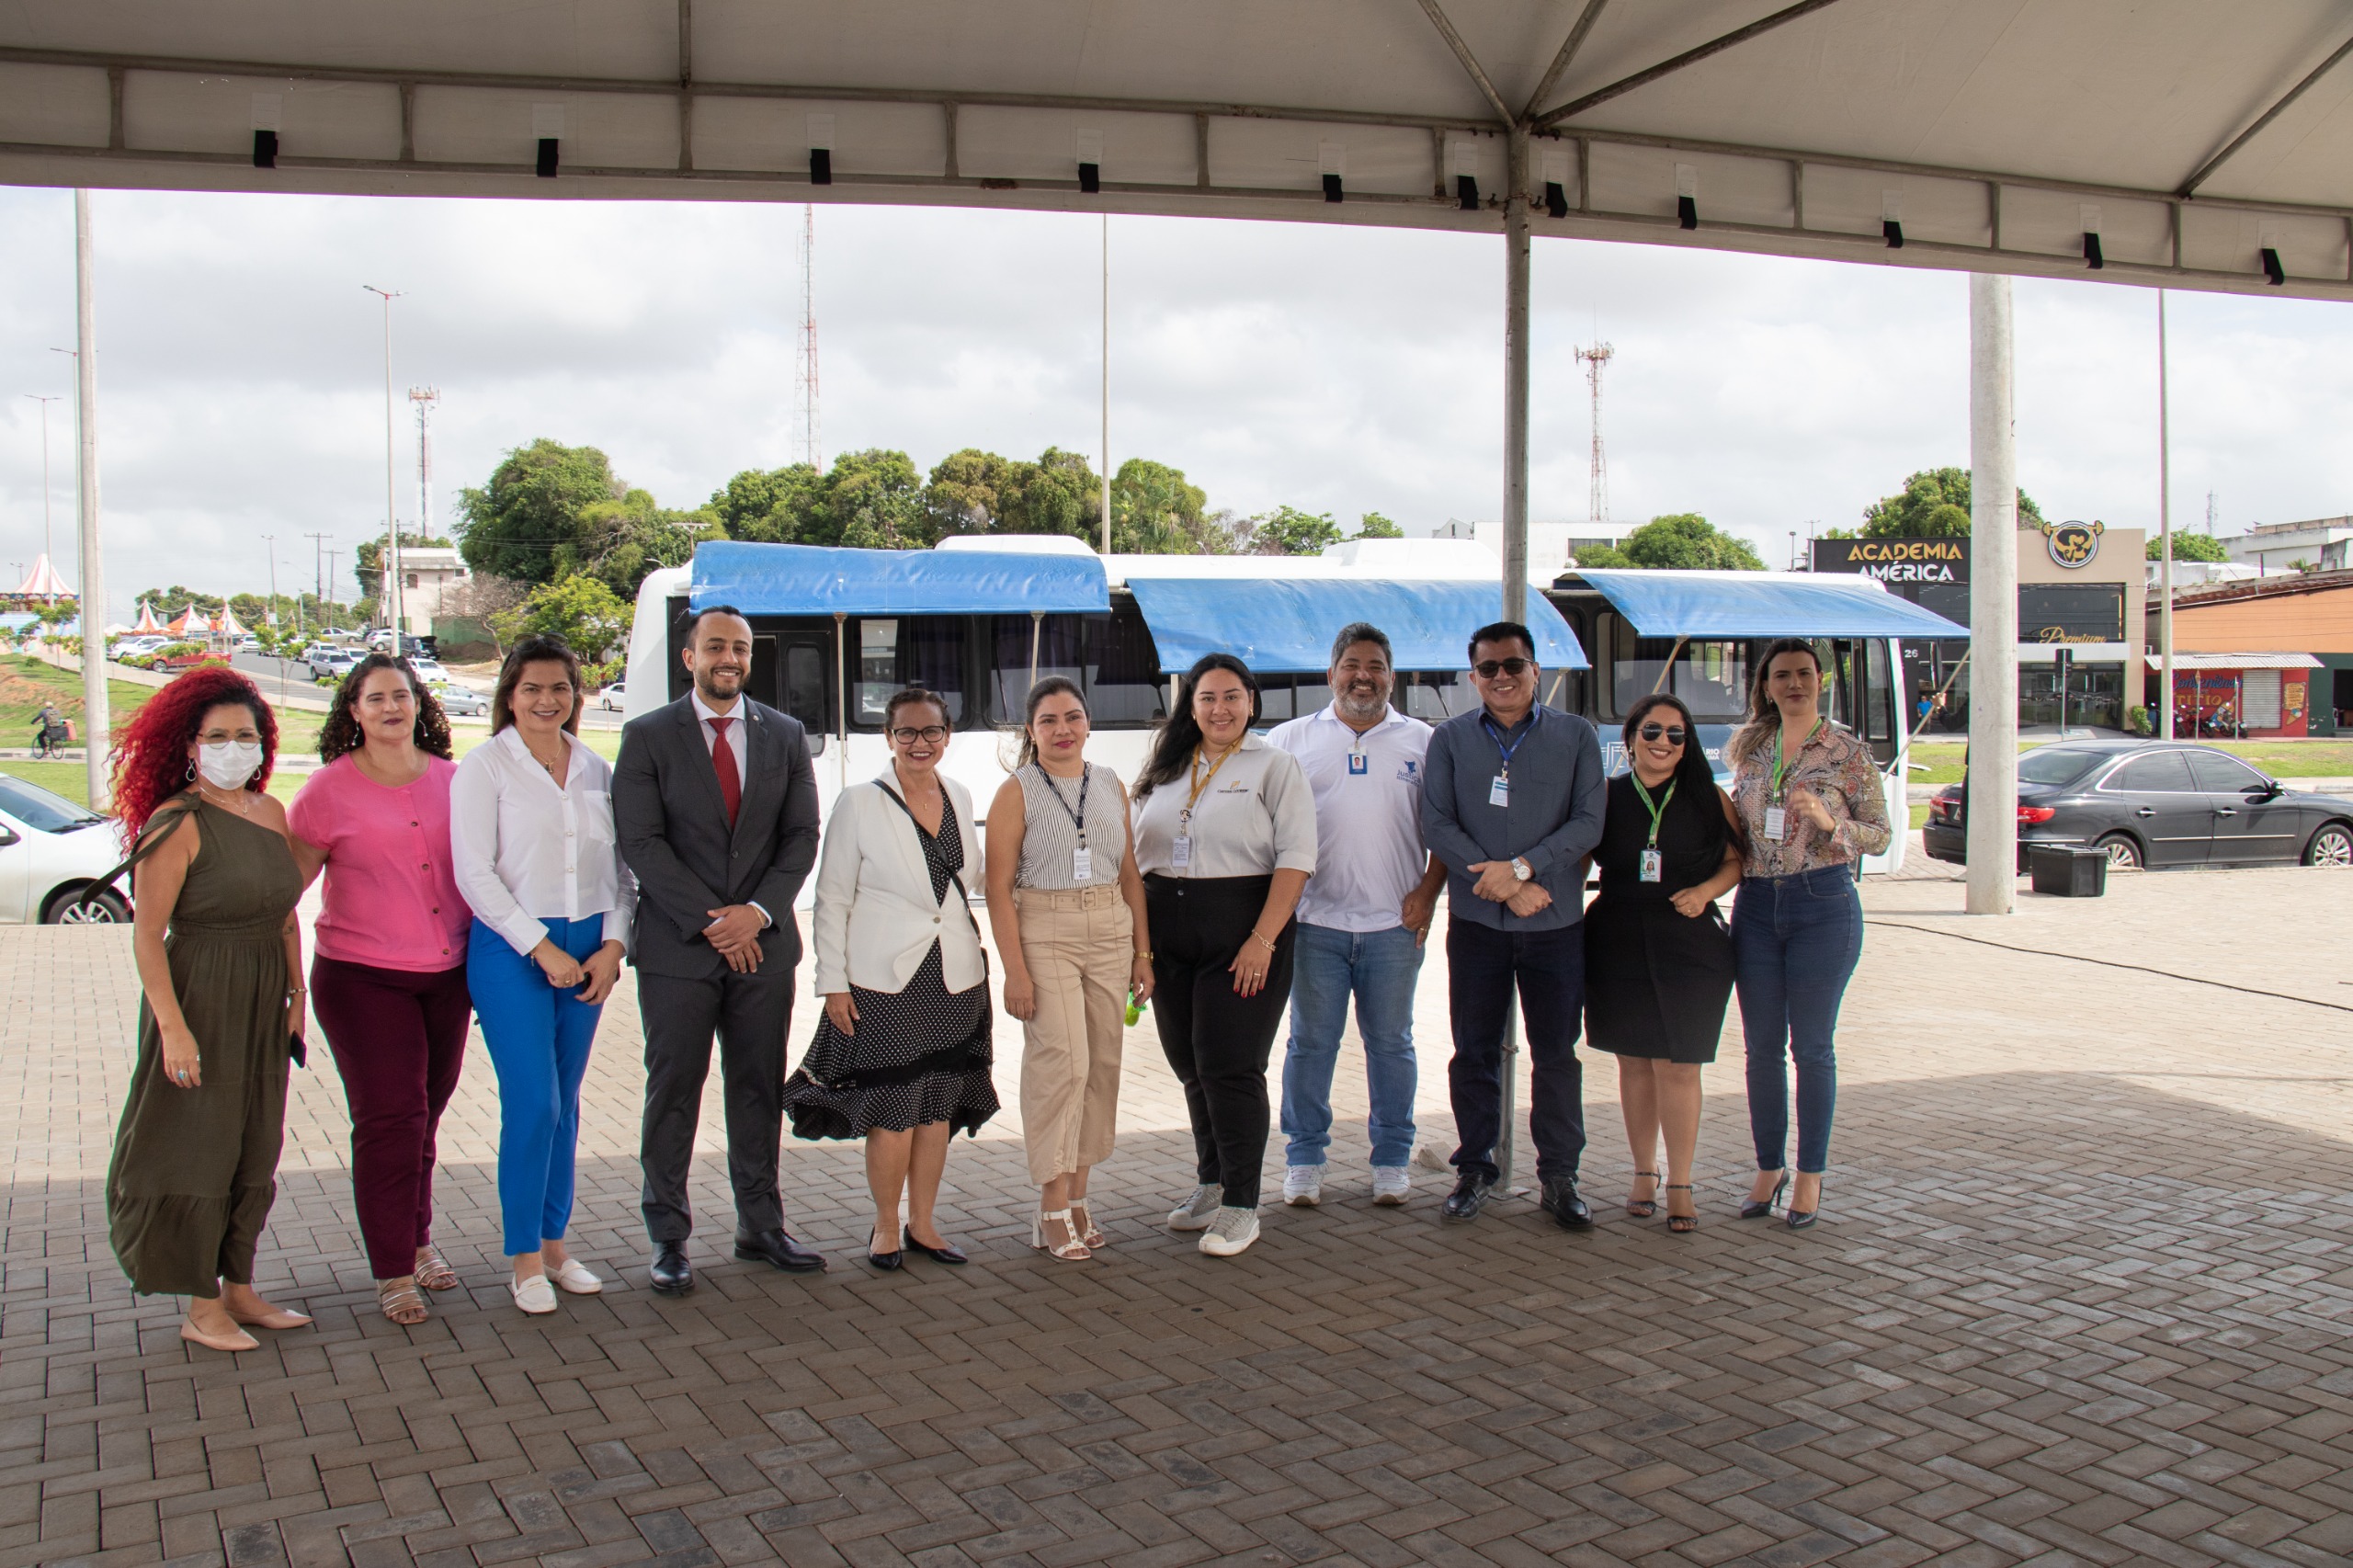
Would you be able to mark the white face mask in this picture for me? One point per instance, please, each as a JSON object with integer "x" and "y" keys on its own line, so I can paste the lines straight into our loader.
{"x": 226, "y": 765}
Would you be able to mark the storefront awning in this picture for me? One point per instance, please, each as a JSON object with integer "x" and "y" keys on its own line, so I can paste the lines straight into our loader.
{"x": 802, "y": 579}
{"x": 1762, "y": 604}
{"x": 2236, "y": 662}
{"x": 1279, "y": 626}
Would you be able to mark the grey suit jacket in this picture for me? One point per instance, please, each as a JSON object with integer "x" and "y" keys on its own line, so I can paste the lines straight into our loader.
{"x": 673, "y": 825}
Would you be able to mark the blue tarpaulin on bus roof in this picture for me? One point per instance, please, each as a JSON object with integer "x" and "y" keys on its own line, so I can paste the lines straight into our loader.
{"x": 1692, "y": 603}
{"x": 805, "y": 579}
{"x": 1278, "y": 625}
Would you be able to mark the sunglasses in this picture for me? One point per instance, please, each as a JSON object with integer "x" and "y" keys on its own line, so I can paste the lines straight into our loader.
{"x": 1490, "y": 669}
{"x": 1674, "y": 733}
{"x": 930, "y": 733}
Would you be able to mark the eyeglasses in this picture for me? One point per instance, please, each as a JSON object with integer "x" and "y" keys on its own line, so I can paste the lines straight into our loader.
{"x": 930, "y": 734}
{"x": 1489, "y": 669}
{"x": 1674, "y": 733}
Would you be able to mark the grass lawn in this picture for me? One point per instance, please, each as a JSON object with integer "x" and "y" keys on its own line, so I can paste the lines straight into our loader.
{"x": 2281, "y": 759}
{"x": 27, "y": 683}
{"x": 1919, "y": 816}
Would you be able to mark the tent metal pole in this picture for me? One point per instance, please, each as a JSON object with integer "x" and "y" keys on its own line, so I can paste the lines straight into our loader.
{"x": 95, "y": 719}
{"x": 841, "y": 704}
{"x": 1514, "y": 584}
{"x": 1993, "y": 601}
{"x": 2164, "y": 534}
{"x": 1037, "y": 628}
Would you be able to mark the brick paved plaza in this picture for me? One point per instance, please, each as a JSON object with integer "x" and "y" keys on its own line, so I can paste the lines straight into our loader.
{"x": 2079, "y": 1295}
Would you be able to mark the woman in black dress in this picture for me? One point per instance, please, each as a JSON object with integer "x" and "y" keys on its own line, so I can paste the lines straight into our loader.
{"x": 1657, "y": 957}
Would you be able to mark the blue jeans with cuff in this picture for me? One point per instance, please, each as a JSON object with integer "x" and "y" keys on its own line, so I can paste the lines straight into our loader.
{"x": 1378, "y": 969}
{"x": 1795, "y": 941}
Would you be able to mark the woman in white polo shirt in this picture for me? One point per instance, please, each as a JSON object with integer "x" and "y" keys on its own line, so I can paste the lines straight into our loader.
{"x": 1226, "y": 837}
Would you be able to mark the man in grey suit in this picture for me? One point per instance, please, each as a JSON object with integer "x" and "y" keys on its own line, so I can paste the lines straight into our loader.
{"x": 716, "y": 806}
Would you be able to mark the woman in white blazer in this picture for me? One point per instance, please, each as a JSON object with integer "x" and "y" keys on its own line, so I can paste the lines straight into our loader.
{"x": 901, "y": 1055}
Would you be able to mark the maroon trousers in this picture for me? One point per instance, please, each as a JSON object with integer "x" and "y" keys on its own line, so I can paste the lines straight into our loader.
{"x": 399, "y": 1039}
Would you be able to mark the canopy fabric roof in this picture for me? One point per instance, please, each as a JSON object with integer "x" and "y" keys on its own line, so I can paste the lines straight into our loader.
{"x": 1765, "y": 604}
{"x": 1286, "y": 625}
{"x": 800, "y": 579}
{"x": 146, "y": 621}
{"x": 43, "y": 582}
{"x": 2189, "y": 138}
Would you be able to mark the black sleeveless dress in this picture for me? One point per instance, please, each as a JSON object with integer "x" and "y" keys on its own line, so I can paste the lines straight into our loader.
{"x": 1657, "y": 980}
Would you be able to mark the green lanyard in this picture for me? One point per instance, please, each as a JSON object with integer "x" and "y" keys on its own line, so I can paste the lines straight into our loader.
{"x": 1780, "y": 767}
{"x": 1657, "y": 811}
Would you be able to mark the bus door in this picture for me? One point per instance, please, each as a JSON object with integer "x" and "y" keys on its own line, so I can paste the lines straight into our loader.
{"x": 1865, "y": 696}
{"x": 789, "y": 674}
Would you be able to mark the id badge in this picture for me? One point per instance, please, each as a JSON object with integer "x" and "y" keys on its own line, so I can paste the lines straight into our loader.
{"x": 1180, "y": 851}
{"x": 1499, "y": 792}
{"x": 1776, "y": 822}
{"x": 1358, "y": 764}
{"x": 1653, "y": 865}
{"x": 1082, "y": 863}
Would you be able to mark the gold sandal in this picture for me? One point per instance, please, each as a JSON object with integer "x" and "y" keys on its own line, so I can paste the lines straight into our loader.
{"x": 398, "y": 1298}
{"x": 433, "y": 1270}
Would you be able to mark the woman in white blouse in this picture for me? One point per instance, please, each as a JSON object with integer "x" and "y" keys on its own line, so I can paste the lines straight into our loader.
{"x": 1225, "y": 838}
{"x": 531, "y": 833}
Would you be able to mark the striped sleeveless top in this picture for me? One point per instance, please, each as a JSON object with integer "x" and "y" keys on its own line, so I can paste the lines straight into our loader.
{"x": 1049, "y": 835}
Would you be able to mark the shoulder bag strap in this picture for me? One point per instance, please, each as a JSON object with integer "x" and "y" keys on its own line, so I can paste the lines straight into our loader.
{"x": 956, "y": 877}
{"x": 159, "y": 828}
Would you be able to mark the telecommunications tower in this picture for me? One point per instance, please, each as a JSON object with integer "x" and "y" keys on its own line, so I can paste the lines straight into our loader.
{"x": 807, "y": 447}
{"x": 1593, "y": 358}
{"x": 423, "y": 399}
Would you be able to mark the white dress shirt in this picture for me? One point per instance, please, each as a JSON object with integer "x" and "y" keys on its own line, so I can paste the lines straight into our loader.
{"x": 735, "y": 741}
{"x": 1256, "y": 816}
{"x": 1369, "y": 852}
{"x": 528, "y": 850}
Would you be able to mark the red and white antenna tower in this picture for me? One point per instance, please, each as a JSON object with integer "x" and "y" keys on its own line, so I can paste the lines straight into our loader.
{"x": 1593, "y": 358}
{"x": 423, "y": 399}
{"x": 808, "y": 448}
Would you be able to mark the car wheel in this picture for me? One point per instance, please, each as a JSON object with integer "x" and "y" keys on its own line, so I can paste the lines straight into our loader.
{"x": 74, "y": 908}
{"x": 2123, "y": 851}
{"x": 2332, "y": 845}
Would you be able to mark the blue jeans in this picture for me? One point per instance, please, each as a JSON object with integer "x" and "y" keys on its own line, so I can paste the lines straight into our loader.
{"x": 539, "y": 1039}
{"x": 1794, "y": 944}
{"x": 1484, "y": 965}
{"x": 1378, "y": 968}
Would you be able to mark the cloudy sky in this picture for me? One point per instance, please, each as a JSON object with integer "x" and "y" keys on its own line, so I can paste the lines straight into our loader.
{"x": 1337, "y": 369}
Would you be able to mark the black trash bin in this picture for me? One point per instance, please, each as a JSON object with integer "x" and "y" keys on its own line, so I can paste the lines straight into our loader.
{"x": 2066, "y": 872}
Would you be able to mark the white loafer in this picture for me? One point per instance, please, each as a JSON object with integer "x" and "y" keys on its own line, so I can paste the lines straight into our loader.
{"x": 534, "y": 1295}
{"x": 578, "y": 1279}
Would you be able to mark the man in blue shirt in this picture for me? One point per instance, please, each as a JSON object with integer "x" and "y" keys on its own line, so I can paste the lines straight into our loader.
{"x": 1512, "y": 804}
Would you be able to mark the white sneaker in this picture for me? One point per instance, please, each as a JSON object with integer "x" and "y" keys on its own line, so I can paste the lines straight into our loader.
{"x": 534, "y": 1295}
{"x": 1196, "y": 1212}
{"x": 1231, "y": 1232}
{"x": 577, "y": 1278}
{"x": 1390, "y": 1184}
{"x": 1303, "y": 1186}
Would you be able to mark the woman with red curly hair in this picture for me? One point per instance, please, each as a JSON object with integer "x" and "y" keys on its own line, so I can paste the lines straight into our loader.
{"x": 220, "y": 958}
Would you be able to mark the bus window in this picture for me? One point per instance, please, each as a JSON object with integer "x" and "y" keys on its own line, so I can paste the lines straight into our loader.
{"x": 1310, "y": 693}
{"x": 1274, "y": 699}
{"x": 1436, "y": 695}
{"x": 804, "y": 687}
{"x": 1710, "y": 674}
{"x": 1057, "y": 646}
{"x": 1878, "y": 694}
{"x": 1124, "y": 689}
{"x": 895, "y": 652}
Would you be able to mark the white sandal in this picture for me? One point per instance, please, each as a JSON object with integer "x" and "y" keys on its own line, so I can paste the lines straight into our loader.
{"x": 1084, "y": 1228}
{"x": 1072, "y": 1250}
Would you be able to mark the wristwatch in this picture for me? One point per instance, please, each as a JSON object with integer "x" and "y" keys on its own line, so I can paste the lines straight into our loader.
{"x": 1519, "y": 867}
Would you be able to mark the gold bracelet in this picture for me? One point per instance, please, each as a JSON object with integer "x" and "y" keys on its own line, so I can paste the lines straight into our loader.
{"x": 1144, "y": 957}
{"x": 1270, "y": 946}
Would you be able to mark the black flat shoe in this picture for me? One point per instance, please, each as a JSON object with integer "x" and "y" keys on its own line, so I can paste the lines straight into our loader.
{"x": 1764, "y": 1211}
{"x": 779, "y": 1250}
{"x": 886, "y": 1261}
{"x": 946, "y": 1252}
{"x": 671, "y": 1273}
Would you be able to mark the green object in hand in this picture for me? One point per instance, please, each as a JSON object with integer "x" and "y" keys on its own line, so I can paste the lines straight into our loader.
{"x": 1135, "y": 1009}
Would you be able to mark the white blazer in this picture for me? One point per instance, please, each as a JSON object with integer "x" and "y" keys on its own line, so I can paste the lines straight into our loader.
{"x": 875, "y": 916}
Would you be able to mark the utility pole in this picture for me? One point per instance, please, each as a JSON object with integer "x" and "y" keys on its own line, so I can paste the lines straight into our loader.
{"x": 47, "y": 546}
{"x": 423, "y": 399}
{"x": 95, "y": 717}
{"x": 271, "y": 540}
{"x": 1106, "y": 383}
{"x": 334, "y": 603}
{"x": 390, "y": 601}
{"x": 319, "y": 570}
{"x": 805, "y": 375}
{"x": 2164, "y": 534}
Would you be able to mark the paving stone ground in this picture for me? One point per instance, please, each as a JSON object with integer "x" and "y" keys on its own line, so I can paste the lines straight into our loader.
{"x": 2079, "y": 1295}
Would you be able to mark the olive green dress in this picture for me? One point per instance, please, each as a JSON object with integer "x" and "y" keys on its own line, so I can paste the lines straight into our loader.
{"x": 195, "y": 1170}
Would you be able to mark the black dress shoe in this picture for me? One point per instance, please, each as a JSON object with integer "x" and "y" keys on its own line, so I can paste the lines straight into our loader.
{"x": 946, "y": 1252}
{"x": 1568, "y": 1210}
{"x": 779, "y": 1251}
{"x": 673, "y": 1275}
{"x": 1470, "y": 1196}
{"x": 883, "y": 1260}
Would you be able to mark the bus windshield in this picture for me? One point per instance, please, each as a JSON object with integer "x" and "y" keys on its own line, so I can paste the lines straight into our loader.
{"x": 1710, "y": 674}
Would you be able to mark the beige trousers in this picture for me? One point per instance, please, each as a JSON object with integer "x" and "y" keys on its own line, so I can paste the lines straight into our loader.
{"x": 1078, "y": 945}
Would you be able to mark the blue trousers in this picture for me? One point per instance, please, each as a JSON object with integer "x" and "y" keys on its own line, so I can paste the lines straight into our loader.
{"x": 1548, "y": 969}
{"x": 538, "y": 1038}
{"x": 1794, "y": 944}
{"x": 1378, "y": 968}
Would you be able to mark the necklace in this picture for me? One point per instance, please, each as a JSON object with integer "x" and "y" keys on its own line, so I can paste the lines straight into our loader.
{"x": 234, "y": 803}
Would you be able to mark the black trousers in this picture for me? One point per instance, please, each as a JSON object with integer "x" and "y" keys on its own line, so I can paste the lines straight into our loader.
{"x": 1216, "y": 1042}
{"x": 750, "y": 1014}
{"x": 1485, "y": 966}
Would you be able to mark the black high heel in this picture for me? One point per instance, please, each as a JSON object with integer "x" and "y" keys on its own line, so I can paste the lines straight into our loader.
{"x": 1643, "y": 1207}
{"x": 1764, "y": 1211}
{"x": 1799, "y": 1219}
{"x": 1680, "y": 1224}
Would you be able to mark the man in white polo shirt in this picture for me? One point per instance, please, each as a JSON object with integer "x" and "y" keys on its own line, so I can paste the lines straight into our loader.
{"x": 1363, "y": 917}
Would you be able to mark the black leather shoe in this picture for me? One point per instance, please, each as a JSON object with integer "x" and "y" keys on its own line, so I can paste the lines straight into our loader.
{"x": 1568, "y": 1210}
{"x": 886, "y": 1261}
{"x": 1470, "y": 1196}
{"x": 673, "y": 1275}
{"x": 779, "y": 1251}
{"x": 946, "y": 1252}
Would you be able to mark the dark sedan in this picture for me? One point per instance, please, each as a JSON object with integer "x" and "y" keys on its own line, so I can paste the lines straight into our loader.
{"x": 2156, "y": 804}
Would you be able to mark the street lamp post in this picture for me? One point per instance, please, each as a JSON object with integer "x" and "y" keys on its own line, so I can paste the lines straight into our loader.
{"x": 391, "y": 596}
{"x": 48, "y": 545}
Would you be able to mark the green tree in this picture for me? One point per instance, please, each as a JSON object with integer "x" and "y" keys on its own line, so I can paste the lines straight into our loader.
{"x": 1059, "y": 493}
{"x": 1372, "y": 525}
{"x": 1604, "y": 557}
{"x": 965, "y": 493}
{"x": 2189, "y": 547}
{"x": 1933, "y": 503}
{"x": 169, "y": 602}
{"x": 874, "y": 501}
{"x": 618, "y": 542}
{"x": 779, "y": 506}
{"x": 1287, "y": 530}
{"x": 1156, "y": 511}
{"x": 514, "y": 525}
{"x": 581, "y": 610}
{"x": 1683, "y": 541}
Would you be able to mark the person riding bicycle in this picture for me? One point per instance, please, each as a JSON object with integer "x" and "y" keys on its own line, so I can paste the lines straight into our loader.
{"x": 48, "y": 729}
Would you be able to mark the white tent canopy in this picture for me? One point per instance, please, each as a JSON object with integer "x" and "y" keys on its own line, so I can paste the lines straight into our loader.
{"x": 2174, "y": 141}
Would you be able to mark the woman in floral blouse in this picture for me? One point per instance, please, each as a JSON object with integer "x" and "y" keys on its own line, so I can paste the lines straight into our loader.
{"x": 1812, "y": 803}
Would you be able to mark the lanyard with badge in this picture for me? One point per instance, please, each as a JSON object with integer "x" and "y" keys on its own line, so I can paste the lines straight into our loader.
{"x": 1082, "y": 859}
{"x": 1777, "y": 818}
{"x": 1180, "y": 849}
{"x": 1499, "y": 792}
{"x": 1654, "y": 863}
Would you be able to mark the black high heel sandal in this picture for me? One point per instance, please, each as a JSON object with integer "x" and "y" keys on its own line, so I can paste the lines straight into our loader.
{"x": 1643, "y": 1207}
{"x": 1680, "y": 1224}
{"x": 1764, "y": 1211}
{"x": 1799, "y": 1219}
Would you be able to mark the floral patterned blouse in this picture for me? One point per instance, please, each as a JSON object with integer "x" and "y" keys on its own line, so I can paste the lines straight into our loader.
{"x": 1839, "y": 771}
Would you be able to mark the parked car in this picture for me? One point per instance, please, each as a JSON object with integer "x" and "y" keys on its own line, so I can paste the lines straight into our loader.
{"x": 613, "y": 699}
{"x": 429, "y": 671}
{"x": 49, "y": 851}
{"x": 463, "y": 702}
{"x": 332, "y": 662}
{"x": 2156, "y": 804}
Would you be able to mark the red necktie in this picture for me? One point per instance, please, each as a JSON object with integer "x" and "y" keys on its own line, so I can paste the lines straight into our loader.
{"x": 722, "y": 757}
